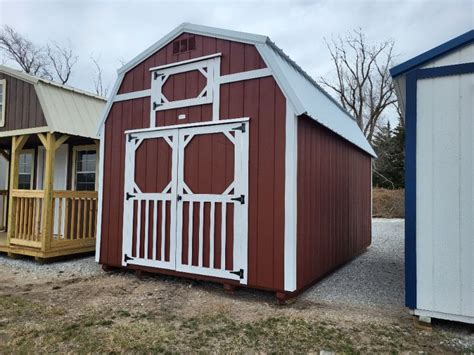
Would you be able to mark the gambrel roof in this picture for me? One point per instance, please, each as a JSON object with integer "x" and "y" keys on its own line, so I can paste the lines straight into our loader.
{"x": 305, "y": 95}
{"x": 67, "y": 110}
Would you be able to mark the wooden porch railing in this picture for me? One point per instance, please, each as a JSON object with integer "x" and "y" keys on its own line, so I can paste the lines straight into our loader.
{"x": 73, "y": 216}
{"x": 28, "y": 217}
{"x": 3, "y": 209}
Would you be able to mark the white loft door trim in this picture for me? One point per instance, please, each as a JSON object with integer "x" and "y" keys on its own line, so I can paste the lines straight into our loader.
{"x": 132, "y": 95}
{"x": 187, "y": 125}
{"x": 175, "y": 64}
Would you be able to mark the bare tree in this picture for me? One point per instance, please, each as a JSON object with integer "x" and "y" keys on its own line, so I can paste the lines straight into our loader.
{"x": 100, "y": 89}
{"x": 30, "y": 57}
{"x": 61, "y": 60}
{"x": 363, "y": 85}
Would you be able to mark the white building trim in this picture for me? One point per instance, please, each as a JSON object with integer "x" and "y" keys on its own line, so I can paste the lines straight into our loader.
{"x": 132, "y": 95}
{"x": 100, "y": 194}
{"x": 291, "y": 201}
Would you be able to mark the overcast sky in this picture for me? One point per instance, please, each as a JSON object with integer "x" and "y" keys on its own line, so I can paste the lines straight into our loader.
{"x": 116, "y": 31}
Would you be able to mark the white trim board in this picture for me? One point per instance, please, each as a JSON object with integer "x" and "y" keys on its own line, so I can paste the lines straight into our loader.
{"x": 446, "y": 316}
{"x": 175, "y": 64}
{"x": 132, "y": 95}
{"x": 246, "y": 75}
{"x": 291, "y": 202}
{"x": 100, "y": 194}
{"x": 187, "y": 125}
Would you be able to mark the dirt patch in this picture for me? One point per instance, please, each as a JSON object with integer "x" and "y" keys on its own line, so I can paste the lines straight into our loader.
{"x": 118, "y": 312}
{"x": 388, "y": 203}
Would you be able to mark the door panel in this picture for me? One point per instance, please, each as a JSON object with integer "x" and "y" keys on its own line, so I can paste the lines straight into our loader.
{"x": 150, "y": 199}
{"x": 212, "y": 177}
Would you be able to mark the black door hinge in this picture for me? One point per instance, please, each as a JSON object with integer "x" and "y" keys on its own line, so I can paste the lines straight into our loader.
{"x": 240, "y": 199}
{"x": 240, "y": 128}
{"x": 156, "y": 75}
{"x": 127, "y": 258}
{"x": 129, "y": 196}
{"x": 239, "y": 273}
{"x": 131, "y": 138}
{"x": 155, "y": 105}
{"x": 180, "y": 197}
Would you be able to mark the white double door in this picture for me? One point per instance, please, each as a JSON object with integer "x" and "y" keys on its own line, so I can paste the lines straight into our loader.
{"x": 186, "y": 200}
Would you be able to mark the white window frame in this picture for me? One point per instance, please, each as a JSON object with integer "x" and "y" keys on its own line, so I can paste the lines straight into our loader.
{"x": 32, "y": 153}
{"x": 3, "y": 82}
{"x": 207, "y": 66}
{"x": 82, "y": 148}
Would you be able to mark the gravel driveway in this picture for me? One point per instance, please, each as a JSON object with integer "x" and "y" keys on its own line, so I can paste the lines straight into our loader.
{"x": 374, "y": 278}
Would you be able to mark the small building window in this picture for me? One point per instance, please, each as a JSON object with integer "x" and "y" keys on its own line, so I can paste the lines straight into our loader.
{"x": 25, "y": 171}
{"x": 3, "y": 95}
{"x": 85, "y": 169}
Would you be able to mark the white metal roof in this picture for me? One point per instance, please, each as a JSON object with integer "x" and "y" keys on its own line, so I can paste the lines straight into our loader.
{"x": 306, "y": 96}
{"x": 67, "y": 110}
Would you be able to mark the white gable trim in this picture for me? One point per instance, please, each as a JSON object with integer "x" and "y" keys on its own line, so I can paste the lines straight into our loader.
{"x": 267, "y": 56}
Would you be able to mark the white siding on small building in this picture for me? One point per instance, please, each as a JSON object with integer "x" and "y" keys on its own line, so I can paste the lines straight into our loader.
{"x": 460, "y": 56}
{"x": 445, "y": 199}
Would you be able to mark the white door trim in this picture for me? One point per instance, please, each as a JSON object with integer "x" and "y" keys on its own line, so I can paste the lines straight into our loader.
{"x": 240, "y": 187}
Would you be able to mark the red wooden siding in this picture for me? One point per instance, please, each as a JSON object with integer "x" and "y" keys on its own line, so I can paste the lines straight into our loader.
{"x": 259, "y": 99}
{"x": 236, "y": 57}
{"x": 334, "y": 201}
{"x": 23, "y": 109}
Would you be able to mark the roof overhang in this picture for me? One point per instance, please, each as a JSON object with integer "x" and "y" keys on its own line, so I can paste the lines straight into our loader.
{"x": 433, "y": 53}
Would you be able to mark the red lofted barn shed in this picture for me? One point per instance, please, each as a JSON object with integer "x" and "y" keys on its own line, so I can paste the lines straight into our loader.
{"x": 223, "y": 160}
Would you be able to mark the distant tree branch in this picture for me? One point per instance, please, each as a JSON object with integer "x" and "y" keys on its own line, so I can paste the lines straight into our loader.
{"x": 62, "y": 60}
{"x": 363, "y": 84}
{"x": 29, "y": 57}
{"x": 100, "y": 88}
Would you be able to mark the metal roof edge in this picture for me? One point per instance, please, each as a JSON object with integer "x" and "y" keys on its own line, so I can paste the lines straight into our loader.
{"x": 436, "y": 52}
{"x": 280, "y": 78}
{"x": 72, "y": 89}
{"x": 195, "y": 29}
{"x": 18, "y": 74}
{"x": 110, "y": 102}
{"x": 32, "y": 79}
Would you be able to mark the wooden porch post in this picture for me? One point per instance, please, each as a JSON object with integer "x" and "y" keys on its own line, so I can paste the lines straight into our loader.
{"x": 18, "y": 142}
{"x": 51, "y": 144}
{"x": 48, "y": 181}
